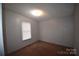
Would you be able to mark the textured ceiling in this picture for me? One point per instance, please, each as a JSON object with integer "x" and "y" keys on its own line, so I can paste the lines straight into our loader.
{"x": 52, "y": 10}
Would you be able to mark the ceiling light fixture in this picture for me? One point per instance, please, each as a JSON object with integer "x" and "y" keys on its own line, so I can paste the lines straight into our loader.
{"x": 37, "y": 12}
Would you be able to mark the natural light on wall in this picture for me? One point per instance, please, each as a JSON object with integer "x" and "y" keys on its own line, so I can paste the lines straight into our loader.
{"x": 26, "y": 30}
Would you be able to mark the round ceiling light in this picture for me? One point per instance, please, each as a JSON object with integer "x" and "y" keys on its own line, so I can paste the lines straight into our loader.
{"x": 37, "y": 12}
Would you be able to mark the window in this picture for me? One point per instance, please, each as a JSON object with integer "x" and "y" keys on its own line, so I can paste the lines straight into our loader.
{"x": 26, "y": 30}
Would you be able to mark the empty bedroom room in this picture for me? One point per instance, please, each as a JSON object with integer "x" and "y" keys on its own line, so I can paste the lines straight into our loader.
{"x": 40, "y": 29}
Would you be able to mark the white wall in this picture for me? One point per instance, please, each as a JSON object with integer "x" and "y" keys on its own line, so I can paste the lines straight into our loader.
{"x": 1, "y": 33}
{"x": 59, "y": 31}
{"x": 14, "y": 30}
{"x": 76, "y": 43}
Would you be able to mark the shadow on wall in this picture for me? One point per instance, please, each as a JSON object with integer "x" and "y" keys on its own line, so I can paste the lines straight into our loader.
{"x": 1, "y": 33}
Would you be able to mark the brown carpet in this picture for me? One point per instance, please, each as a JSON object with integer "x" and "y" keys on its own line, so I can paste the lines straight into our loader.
{"x": 41, "y": 48}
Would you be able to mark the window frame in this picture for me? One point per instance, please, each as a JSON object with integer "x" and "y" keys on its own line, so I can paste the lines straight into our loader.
{"x": 26, "y": 30}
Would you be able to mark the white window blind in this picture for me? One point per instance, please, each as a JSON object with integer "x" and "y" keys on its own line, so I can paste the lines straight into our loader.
{"x": 26, "y": 30}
